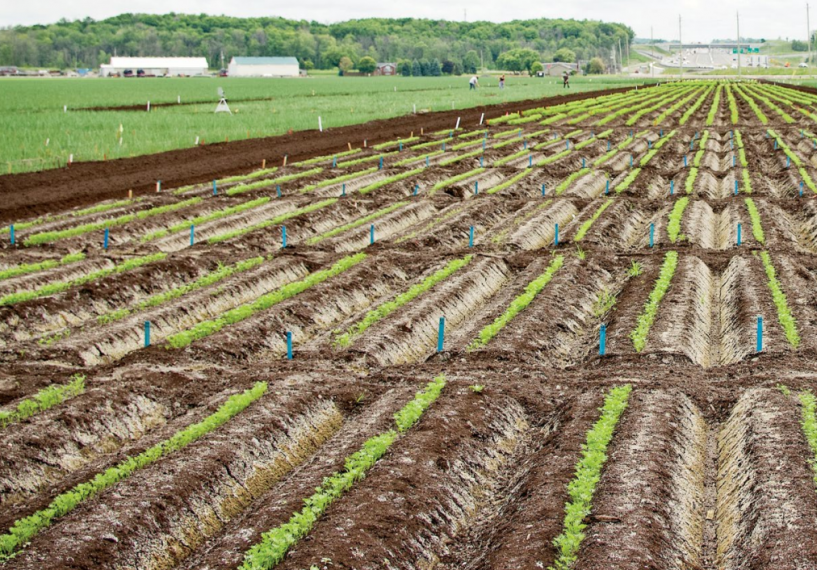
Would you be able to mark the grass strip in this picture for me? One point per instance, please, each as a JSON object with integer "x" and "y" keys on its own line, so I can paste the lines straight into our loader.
{"x": 235, "y": 190}
{"x": 390, "y": 179}
{"x": 809, "y": 424}
{"x": 510, "y": 181}
{"x": 586, "y": 225}
{"x": 675, "y": 216}
{"x": 60, "y": 286}
{"x": 357, "y": 223}
{"x": 588, "y": 472}
{"x": 338, "y": 179}
{"x": 276, "y": 542}
{"x": 44, "y": 399}
{"x": 222, "y": 272}
{"x": 343, "y": 340}
{"x": 275, "y": 221}
{"x": 26, "y": 528}
{"x": 779, "y": 297}
{"x": 454, "y": 179}
{"x": 203, "y": 219}
{"x": 754, "y": 215}
{"x": 49, "y": 237}
{"x": 25, "y": 268}
{"x": 647, "y": 316}
{"x": 517, "y": 305}
{"x": 262, "y": 303}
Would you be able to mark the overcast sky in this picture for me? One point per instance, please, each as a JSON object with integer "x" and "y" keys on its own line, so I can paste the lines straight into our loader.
{"x": 703, "y": 20}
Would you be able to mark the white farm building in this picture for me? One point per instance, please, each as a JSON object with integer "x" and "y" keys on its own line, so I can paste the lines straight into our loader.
{"x": 158, "y": 66}
{"x": 263, "y": 67}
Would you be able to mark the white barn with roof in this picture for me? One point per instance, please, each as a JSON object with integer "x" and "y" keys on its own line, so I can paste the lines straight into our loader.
{"x": 263, "y": 67}
{"x": 159, "y": 66}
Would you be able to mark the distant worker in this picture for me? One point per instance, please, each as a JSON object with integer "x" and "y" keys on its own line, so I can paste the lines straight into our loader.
{"x": 565, "y": 80}
{"x": 502, "y": 81}
{"x": 474, "y": 83}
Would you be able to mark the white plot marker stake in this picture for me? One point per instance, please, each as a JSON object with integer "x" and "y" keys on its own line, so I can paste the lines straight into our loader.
{"x": 320, "y": 125}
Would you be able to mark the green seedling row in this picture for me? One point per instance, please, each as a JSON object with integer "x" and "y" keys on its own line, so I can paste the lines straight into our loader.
{"x": 757, "y": 227}
{"x": 390, "y": 180}
{"x": 273, "y": 222}
{"x": 203, "y": 219}
{"x": 779, "y": 297}
{"x": 356, "y": 224}
{"x": 241, "y": 189}
{"x": 43, "y": 400}
{"x": 647, "y": 316}
{"x": 588, "y": 224}
{"x": 25, "y": 268}
{"x": 338, "y": 179}
{"x": 675, "y": 216}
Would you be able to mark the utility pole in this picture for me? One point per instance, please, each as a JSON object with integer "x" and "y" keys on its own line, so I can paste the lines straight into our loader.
{"x": 808, "y": 31}
{"x": 627, "y": 45}
{"x": 620, "y": 55}
{"x": 652, "y": 64}
{"x": 680, "y": 49}
{"x": 738, "y": 16}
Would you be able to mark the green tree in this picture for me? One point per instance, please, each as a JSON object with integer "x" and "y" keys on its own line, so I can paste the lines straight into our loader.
{"x": 307, "y": 64}
{"x": 416, "y": 70}
{"x": 434, "y": 68}
{"x": 470, "y": 62}
{"x": 564, "y": 54}
{"x": 366, "y": 65}
{"x": 797, "y": 45}
{"x": 404, "y": 68}
{"x": 345, "y": 64}
{"x": 596, "y": 66}
{"x": 536, "y": 67}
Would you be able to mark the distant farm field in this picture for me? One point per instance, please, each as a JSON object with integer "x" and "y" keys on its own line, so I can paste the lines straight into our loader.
{"x": 40, "y": 134}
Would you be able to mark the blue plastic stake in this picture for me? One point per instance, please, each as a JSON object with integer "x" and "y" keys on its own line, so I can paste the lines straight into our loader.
{"x": 603, "y": 340}
{"x": 736, "y": 187}
{"x": 147, "y": 334}
{"x": 567, "y": 145}
{"x": 11, "y": 232}
{"x": 471, "y": 237}
{"x": 556, "y": 235}
{"x": 685, "y": 161}
{"x": 606, "y": 187}
{"x": 371, "y": 234}
{"x": 105, "y": 241}
{"x": 608, "y": 145}
{"x": 481, "y": 163}
{"x": 426, "y": 161}
{"x": 731, "y": 144}
{"x": 416, "y": 189}
{"x": 530, "y": 161}
{"x": 671, "y": 187}
{"x": 343, "y": 190}
{"x": 801, "y": 188}
{"x": 400, "y": 148}
{"x": 734, "y": 161}
{"x": 192, "y": 234}
{"x": 652, "y": 234}
{"x": 441, "y": 335}
{"x": 283, "y": 237}
{"x": 483, "y": 144}
{"x": 582, "y": 162}
{"x": 661, "y": 133}
{"x": 759, "y": 334}
{"x": 788, "y": 161}
{"x": 278, "y": 190}
{"x": 775, "y": 144}
{"x": 740, "y": 228}
{"x": 381, "y": 160}
{"x": 525, "y": 145}
{"x": 476, "y": 187}
{"x": 543, "y": 190}
{"x": 289, "y": 345}
{"x": 649, "y": 144}
{"x": 334, "y": 161}
{"x": 443, "y": 146}
{"x": 631, "y": 161}
{"x": 215, "y": 188}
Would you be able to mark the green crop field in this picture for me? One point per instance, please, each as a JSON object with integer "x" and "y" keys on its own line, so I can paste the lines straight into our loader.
{"x": 40, "y": 135}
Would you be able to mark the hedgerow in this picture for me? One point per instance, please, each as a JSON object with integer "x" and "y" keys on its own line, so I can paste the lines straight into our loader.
{"x": 647, "y": 316}
{"x": 48, "y": 237}
{"x": 779, "y": 297}
{"x": 43, "y": 400}
{"x": 343, "y": 340}
{"x": 60, "y": 286}
{"x": 518, "y": 304}
{"x": 273, "y": 222}
{"x": 26, "y": 528}
{"x": 25, "y": 268}
{"x": 276, "y": 542}
{"x": 588, "y": 472}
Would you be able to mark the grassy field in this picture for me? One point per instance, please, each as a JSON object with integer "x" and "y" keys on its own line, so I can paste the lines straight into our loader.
{"x": 39, "y": 134}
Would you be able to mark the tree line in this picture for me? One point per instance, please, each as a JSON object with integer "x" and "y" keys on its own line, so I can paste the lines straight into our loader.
{"x": 465, "y": 45}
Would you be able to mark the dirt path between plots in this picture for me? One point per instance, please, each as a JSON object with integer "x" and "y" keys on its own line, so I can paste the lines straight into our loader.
{"x": 37, "y": 193}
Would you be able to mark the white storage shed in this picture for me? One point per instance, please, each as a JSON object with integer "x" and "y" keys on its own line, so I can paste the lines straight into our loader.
{"x": 158, "y": 66}
{"x": 263, "y": 67}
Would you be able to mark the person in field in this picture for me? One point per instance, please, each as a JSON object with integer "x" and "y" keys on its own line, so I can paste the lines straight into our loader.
{"x": 502, "y": 81}
{"x": 565, "y": 80}
{"x": 474, "y": 83}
